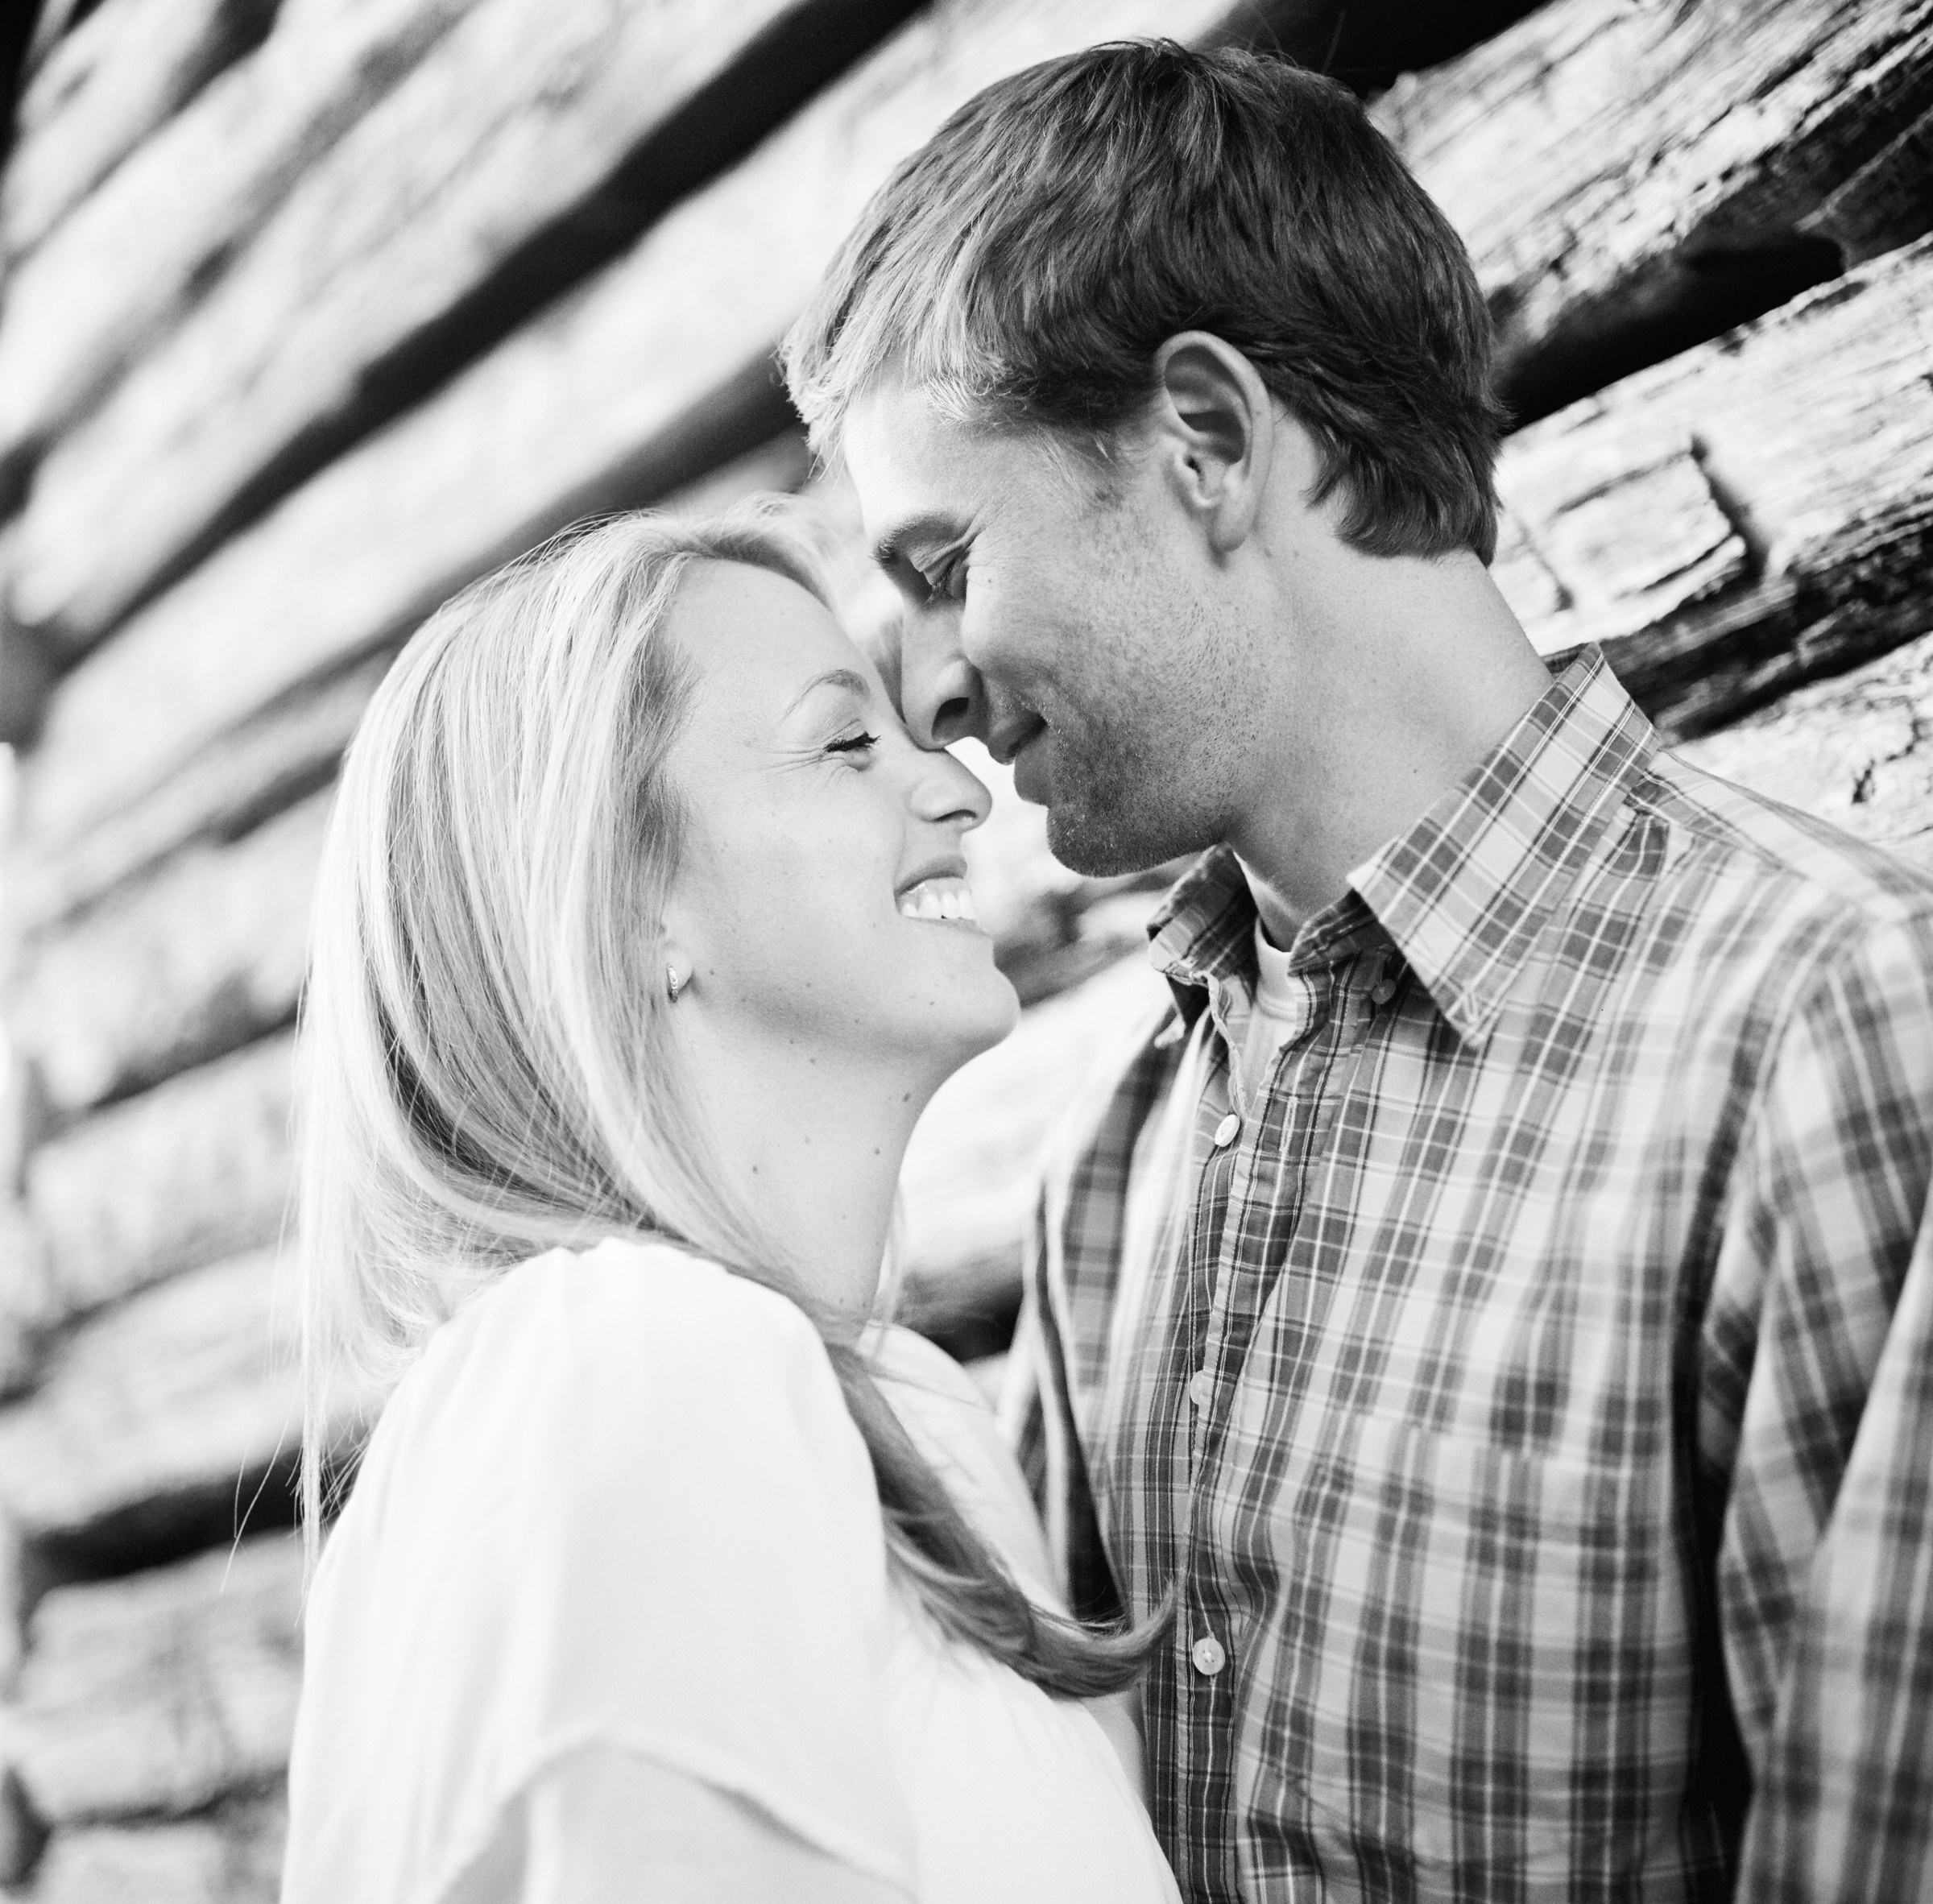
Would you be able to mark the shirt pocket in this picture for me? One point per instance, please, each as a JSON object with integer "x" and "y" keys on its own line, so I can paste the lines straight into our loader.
{"x": 1478, "y": 1662}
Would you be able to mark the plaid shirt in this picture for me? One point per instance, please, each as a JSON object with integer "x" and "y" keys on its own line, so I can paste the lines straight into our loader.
{"x": 1530, "y": 1402}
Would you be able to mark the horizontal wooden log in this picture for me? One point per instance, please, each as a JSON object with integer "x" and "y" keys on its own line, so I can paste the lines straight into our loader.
{"x": 271, "y": 760}
{"x": 527, "y": 145}
{"x": 186, "y": 1393}
{"x": 654, "y": 372}
{"x": 101, "y": 89}
{"x": 1751, "y": 514}
{"x": 1857, "y": 750}
{"x": 194, "y": 1170}
{"x": 115, "y": 274}
{"x": 162, "y": 1692}
{"x": 233, "y": 1855}
{"x": 1631, "y": 179}
{"x": 199, "y": 958}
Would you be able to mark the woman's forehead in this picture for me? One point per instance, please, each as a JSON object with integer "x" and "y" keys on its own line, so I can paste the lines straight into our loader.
{"x": 761, "y": 640}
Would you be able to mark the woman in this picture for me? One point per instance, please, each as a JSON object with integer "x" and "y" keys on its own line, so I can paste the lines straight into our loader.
{"x": 642, "y": 938}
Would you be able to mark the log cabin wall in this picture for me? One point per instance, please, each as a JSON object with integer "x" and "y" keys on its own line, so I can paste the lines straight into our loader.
{"x": 314, "y": 311}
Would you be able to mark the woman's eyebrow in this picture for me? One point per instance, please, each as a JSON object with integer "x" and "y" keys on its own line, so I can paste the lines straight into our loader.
{"x": 849, "y": 679}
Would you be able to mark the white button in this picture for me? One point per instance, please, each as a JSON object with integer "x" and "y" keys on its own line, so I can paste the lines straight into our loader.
{"x": 1383, "y": 990}
{"x": 1208, "y": 1657}
{"x": 1199, "y": 1388}
{"x": 1226, "y": 1132}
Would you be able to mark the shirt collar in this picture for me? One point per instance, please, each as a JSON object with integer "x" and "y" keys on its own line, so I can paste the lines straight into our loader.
{"x": 1464, "y": 893}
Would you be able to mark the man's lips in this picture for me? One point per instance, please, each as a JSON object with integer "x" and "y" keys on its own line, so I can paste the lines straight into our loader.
{"x": 1033, "y": 771}
{"x": 1007, "y": 740}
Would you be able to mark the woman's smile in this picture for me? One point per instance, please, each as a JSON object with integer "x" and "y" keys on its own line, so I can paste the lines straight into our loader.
{"x": 945, "y": 899}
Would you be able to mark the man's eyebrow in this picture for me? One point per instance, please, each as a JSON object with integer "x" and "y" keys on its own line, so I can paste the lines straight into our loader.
{"x": 935, "y": 525}
{"x": 849, "y": 679}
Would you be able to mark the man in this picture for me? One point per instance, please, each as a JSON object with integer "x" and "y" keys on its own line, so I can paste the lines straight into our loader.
{"x": 1497, "y": 1303}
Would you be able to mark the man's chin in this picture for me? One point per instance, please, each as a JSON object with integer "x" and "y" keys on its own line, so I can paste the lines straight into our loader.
{"x": 1101, "y": 846}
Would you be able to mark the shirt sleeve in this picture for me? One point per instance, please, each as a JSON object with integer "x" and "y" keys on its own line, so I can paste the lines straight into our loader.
{"x": 602, "y": 1825}
{"x": 1818, "y": 1401}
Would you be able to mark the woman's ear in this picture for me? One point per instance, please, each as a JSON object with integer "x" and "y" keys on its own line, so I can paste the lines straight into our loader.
{"x": 1217, "y": 423}
{"x": 677, "y": 960}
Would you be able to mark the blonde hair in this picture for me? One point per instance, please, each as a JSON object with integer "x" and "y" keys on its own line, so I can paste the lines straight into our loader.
{"x": 485, "y": 1070}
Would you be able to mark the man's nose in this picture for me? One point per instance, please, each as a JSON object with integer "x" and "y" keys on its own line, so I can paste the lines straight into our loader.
{"x": 940, "y": 695}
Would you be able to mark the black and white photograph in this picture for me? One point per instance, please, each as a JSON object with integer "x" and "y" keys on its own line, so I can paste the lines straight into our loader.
{"x": 966, "y": 952}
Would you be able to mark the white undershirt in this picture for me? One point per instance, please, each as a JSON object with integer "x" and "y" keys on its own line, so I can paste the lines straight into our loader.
{"x": 1281, "y": 1014}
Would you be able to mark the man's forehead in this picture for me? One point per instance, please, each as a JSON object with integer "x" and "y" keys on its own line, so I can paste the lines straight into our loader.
{"x": 925, "y": 476}
{"x": 893, "y": 435}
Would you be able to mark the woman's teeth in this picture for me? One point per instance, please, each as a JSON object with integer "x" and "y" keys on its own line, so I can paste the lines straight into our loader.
{"x": 939, "y": 899}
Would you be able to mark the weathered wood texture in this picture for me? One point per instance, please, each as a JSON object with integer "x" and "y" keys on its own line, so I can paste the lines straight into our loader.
{"x": 1631, "y": 178}
{"x": 161, "y": 1404}
{"x": 201, "y": 958}
{"x": 1857, "y": 750}
{"x": 162, "y": 1692}
{"x": 561, "y": 127}
{"x": 610, "y": 399}
{"x": 1889, "y": 201}
{"x": 1753, "y": 513}
{"x": 232, "y": 1856}
{"x": 276, "y": 757}
{"x": 195, "y": 1169}
{"x": 115, "y": 274}
{"x": 632, "y": 387}
{"x": 102, "y": 90}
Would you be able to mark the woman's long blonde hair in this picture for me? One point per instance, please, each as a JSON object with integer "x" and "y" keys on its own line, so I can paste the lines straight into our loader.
{"x": 485, "y": 1067}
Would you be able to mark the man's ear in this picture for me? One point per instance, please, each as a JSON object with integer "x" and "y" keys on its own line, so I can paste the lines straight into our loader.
{"x": 1217, "y": 420}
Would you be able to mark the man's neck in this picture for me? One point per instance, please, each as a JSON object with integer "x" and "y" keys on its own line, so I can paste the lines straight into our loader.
{"x": 1420, "y": 670}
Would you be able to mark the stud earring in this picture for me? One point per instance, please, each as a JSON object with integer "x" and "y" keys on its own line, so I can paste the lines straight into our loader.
{"x": 673, "y": 984}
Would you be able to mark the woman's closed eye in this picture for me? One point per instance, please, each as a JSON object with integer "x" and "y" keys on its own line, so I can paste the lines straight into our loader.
{"x": 857, "y": 745}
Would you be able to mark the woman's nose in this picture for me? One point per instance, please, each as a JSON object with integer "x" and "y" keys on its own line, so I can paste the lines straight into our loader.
{"x": 947, "y": 793}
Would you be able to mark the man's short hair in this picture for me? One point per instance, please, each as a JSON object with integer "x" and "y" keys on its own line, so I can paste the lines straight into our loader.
{"x": 1023, "y": 267}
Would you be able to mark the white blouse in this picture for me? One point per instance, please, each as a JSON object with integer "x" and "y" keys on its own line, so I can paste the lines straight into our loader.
{"x": 608, "y": 1617}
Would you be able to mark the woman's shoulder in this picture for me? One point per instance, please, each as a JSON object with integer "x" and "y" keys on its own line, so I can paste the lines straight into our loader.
{"x": 635, "y": 1318}
{"x": 582, "y": 1371}
{"x": 650, "y": 1295}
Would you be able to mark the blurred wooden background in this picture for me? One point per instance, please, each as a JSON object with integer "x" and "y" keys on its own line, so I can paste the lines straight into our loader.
{"x": 313, "y": 311}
